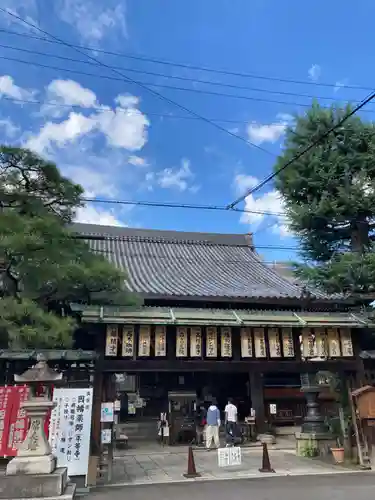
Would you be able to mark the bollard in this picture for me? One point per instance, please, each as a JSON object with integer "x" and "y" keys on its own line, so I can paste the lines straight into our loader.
{"x": 191, "y": 470}
{"x": 266, "y": 464}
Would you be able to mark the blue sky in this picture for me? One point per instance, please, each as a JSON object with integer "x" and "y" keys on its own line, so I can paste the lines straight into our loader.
{"x": 122, "y": 142}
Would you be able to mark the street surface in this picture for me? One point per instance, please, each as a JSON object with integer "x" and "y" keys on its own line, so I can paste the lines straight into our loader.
{"x": 358, "y": 486}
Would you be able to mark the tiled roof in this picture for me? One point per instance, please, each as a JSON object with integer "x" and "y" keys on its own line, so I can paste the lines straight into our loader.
{"x": 181, "y": 264}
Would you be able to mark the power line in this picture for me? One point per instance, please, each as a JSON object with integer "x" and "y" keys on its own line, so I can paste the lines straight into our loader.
{"x": 140, "y": 84}
{"x": 163, "y": 204}
{"x": 178, "y": 64}
{"x": 303, "y": 152}
{"x": 170, "y": 87}
{"x": 173, "y": 77}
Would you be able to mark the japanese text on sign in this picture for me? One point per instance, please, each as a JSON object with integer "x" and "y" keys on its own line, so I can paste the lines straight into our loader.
{"x": 229, "y": 456}
{"x": 346, "y": 342}
{"x": 144, "y": 341}
{"x": 226, "y": 342}
{"x": 246, "y": 343}
{"x": 160, "y": 341}
{"x": 128, "y": 341}
{"x": 274, "y": 343}
{"x": 181, "y": 342}
{"x": 70, "y": 428}
{"x": 211, "y": 342}
{"x": 195, "y": 342}
{"x": 111, "y": 340}
{"x": 259, "y": 343}
{"x": 288, "y": 346}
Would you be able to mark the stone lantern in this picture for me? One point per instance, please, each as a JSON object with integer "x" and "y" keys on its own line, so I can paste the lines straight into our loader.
{"x": 311, "y": 386}
{"x": 32, "y": 474}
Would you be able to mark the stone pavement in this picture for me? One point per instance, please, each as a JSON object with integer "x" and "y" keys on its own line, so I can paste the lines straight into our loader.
{"x": 167, "y": 466}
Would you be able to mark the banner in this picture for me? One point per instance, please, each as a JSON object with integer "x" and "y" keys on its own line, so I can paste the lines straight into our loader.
{"x": 111, "y": 340}
{"x": 259, "y": 343}
{"x": 128, "y": 341}
{"x": 196, "y": 342}
{"x": 226, "y": 342}
{"x": 333, "y": 343}
{"x": 288, "y": 345}
{"x": 346, "y": 342}
{"x": 211, "y": 342}
{"x": 160, "y": 341}
{"x": 181, "y": 342}
{"x": 321, "y": 343}
{"x": 70, "y": 428}
{"x": 18, "y": 421}
{"x": 274, "y": 343}
{"x": 246, "y": 343}
{"x": 144, "y": 341}
{"x": 308, "y": 341}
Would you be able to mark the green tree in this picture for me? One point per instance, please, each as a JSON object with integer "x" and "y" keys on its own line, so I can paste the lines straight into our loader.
{"x": 43, "y": 266}
{"x": 329, "y": 197}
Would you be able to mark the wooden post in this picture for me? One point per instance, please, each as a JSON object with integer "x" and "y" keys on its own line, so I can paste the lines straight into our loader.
{"x": 257, "y": 400}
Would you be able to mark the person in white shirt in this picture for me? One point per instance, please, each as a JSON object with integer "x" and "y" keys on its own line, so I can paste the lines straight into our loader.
{"x": 230, "y": 421}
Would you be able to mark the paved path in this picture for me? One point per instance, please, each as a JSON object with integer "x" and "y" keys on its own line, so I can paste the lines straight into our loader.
{"x": 166, "y": 467}
{"x": 358, "y": 486}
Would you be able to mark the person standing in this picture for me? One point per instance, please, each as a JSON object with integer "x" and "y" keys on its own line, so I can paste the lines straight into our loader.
{"x": 213, "y": 425}
{"x": 231, "y": 421}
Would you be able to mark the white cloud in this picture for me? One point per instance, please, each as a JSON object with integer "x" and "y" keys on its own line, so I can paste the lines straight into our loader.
{"x": 124, "y": 127}
{"x": 269, "y": 202}
{"x": 95, "y": 182}
{"x": 92, "y": 20}
{"x": 9, "y": 89}
{"x": 137, "y": 161}
{"x": 259, "y": 133}
{"x": 315, "y": 72}
{"x": 340, "y": 84}
{"x": 71, "y": 93}
{"x": 176, "y": 178}
{"x": 26, "y": 9}
{"x": 92, "y": 215}
{"x": 9, "y": 128}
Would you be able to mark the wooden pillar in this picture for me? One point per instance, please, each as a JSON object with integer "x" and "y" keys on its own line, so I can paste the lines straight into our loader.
{"x": 257, "y": 400}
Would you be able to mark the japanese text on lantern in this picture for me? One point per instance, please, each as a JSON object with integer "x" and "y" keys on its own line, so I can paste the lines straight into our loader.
{"x": 288, "y": 346}
{"x": 211, "y": 342}
{"x": 259, "y": 343}
{"x": 181, "y": 342}
{"x": 333, "y": 342}
{"x": 144, "y": 342}
{"x": 321, "y": 343}
{"x": 128, "y": 341}
{"x": 246, "y": 343}
{"x": 195, "y": 342}
{"x": 274, "y": 343}
{"x": 111, "y": 340}
{"x": 160, "y": 341}
{"x": 226, "y": 342}
{"x": 70, "y": 428}
{"x": 346, "y": 342}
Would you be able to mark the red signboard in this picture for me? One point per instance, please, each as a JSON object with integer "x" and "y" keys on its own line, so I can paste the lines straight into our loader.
{"x": 18, "y": 421}
{"x": 5, "y": 409}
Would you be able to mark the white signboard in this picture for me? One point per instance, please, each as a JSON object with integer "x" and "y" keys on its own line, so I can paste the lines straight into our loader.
{"x": 211, "y": 342}
{"x": 111, "y": 340}
{"x": 107, "y": 412}
{"x": 333, "y": 343}
{"x": 144, "y": 341}
{"x": 346, "y": 342}
{"x": 128, "y": 341}
{"x": 160, "y": 341}
{"x": 181, "y": 342}
{"x": 70, "y": 428}
{"x": 226, "y": 342}
{"x": 288, "y": 346}
{"x": 259, "y": 343}
{"x": 195, "y": 342}
{"x": 273, "y": 409}
{"x": 106, "y": 436}
{"x": 229, "y": 456}
{"x": 321, "y": 343}
{"x": 246, "y": 343}
{"x": 274, "y": 343}
{"x": 308, "y": 340}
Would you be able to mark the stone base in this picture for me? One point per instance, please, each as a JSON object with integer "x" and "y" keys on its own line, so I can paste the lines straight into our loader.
{"x": 34, "y": 486}
{"x": 266, "y": 438}
{"x": 69, "y": 494}
{"x": 44, "y": 464}
{"x": 323, "y": 442}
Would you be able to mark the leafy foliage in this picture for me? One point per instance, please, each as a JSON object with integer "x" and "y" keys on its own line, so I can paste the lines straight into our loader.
{"x": 43, "y": 267}
{"x": 329, "y": 197}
